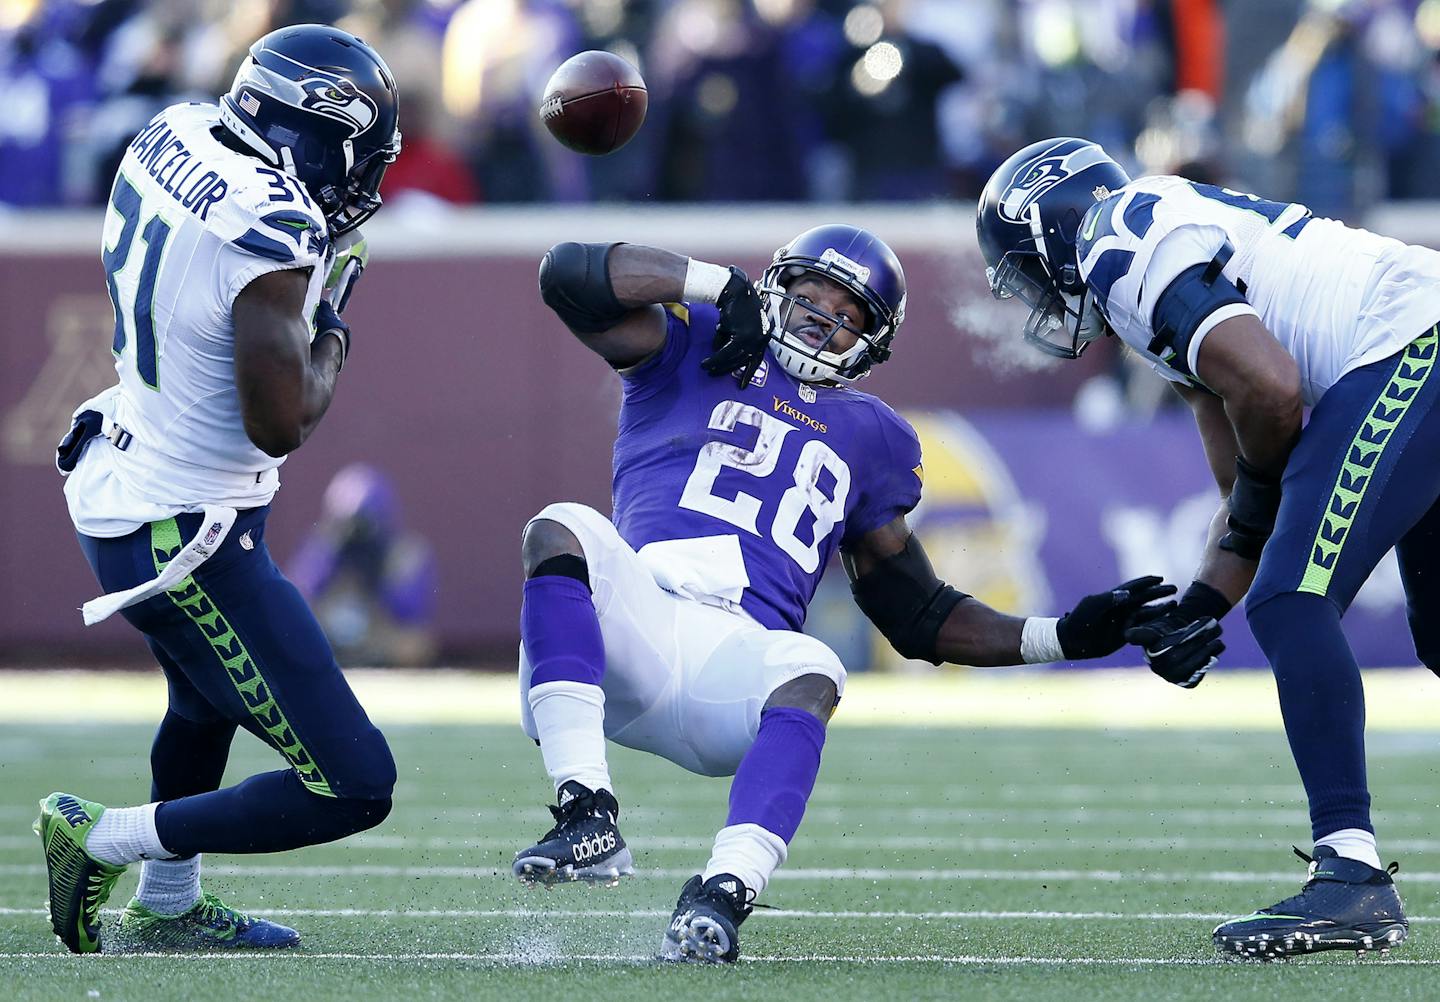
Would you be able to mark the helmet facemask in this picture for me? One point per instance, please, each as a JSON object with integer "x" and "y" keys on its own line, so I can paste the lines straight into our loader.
{"x": 787, "y": 320}
{"x": 1060, "y": 323}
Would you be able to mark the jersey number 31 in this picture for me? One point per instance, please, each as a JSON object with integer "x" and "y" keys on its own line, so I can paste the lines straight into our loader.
{"x": 126, "y": 201}
{"x": 805, "y": 495}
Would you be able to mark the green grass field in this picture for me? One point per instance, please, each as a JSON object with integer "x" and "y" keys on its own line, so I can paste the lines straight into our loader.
{"x": 974, "y": 859}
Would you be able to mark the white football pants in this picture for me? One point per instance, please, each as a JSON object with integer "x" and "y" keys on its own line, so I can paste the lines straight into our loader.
{"x": 683, "y": 680}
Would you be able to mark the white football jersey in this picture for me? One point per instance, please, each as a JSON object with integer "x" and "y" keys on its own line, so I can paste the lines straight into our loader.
{"x": 1335, "y": 297}
{"x": 190, "y": 223}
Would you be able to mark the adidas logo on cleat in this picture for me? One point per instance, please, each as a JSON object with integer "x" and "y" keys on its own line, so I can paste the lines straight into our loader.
{"x": 593, "y": 846}
{"x": 70, "y": 809}
{"x": 729, "y": 887}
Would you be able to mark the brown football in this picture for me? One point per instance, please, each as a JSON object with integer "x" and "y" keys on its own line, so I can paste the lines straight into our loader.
{"x": 594, "y": 103}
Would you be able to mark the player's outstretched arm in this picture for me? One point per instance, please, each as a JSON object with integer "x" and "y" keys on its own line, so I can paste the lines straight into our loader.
{"x": 1259, "y": 384}
{"x": 1220, "y": 568}
{"x": 285, "y": 381}
{"x": 922, "y": 617}
{"x": 1182, "y": 642}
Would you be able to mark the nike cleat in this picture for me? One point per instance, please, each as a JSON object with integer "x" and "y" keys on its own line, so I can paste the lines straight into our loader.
{"x": 209, "y": 925}
{"x": 706, "y": 923}
{"x": 585, "y": 843}
{"x": 1344, "y": 905}
{"x": 79, "y": 883}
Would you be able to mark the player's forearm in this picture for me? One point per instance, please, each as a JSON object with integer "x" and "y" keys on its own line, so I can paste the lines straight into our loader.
{"x": 1266, "y": 427}
{"x": 645, "y": 276}
{"x": 1222, "y": 570}
{"x": 975, "y": 634}
{"x": 321, "y": 375}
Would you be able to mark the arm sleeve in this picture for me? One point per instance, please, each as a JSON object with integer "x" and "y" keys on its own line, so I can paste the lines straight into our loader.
{"x": 892, "y": 488}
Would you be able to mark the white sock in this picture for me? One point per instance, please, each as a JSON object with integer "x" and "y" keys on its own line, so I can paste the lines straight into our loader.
{"x": 749, "y": 852}
{"x": 1353, "y": 843}
{"x": 169, "y": 886}
{"x": 570, "y": 720}
{"x": 126, "y": 835}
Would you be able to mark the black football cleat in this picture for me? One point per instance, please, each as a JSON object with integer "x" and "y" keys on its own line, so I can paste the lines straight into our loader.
{"x": 585, "y": 843}
{"x": 707, "y": 918}
{"x": 1344, "y": 905}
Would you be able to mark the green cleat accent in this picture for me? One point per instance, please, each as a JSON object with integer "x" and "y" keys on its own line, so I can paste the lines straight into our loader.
{"x": 209, "y": 925}
{"x": 79, "y": 883}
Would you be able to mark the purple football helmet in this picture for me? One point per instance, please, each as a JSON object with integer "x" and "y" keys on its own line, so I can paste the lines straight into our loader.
{"x": 865, "y": 266}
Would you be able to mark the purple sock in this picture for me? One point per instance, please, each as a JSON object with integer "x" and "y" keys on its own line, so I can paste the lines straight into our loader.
{"x": 561, "y": 631}
{"x": 778, "y": 772}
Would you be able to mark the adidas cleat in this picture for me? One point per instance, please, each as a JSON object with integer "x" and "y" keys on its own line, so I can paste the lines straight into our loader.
{"x": 209, "y": 925}
{"x": 1344, "y": 905}
{"x": 585, "y": 843}
{"x": 79, "y": 883}
{"x": 707, "y": 918}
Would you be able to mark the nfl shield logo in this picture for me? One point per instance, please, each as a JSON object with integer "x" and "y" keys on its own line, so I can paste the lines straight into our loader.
{"x": 213, "y": 533}
{"x": 807, "y": 393}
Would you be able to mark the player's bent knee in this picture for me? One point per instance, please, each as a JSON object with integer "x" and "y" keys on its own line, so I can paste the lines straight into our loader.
{"x": 547, "y": 542}
{"x": 369, "y": 772}
{"x": 352, "y": 815}
{"x": 816, "y": 694}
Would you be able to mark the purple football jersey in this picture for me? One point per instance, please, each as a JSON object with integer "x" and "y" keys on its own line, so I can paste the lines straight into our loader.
{"x": 790, "y": 468}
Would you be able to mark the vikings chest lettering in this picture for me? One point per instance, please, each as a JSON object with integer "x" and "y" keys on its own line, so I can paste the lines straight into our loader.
{"x": 811, "y": 480}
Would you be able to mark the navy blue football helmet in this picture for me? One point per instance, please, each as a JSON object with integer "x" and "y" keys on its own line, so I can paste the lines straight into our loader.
{"x": 1027, "y": 223}
{"x": 861, "y": 262}
{"x": 321, "y": 105}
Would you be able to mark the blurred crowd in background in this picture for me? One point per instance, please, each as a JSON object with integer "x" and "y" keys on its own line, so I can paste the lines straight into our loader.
{"x": 1332, "y": 102}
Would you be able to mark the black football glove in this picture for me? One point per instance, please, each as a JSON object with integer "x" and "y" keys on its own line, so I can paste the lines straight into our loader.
{"x": 740, "y": 335}
{"x": 1096, "y": 626}
{"x": 1182, "y": 639}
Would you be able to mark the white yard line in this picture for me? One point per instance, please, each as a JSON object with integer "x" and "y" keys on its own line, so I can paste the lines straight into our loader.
{"x": 860, "y": 841}
{"x": 548, "y": 958}
{"x": 766, "y": 914}
{"x": 872, "y": 874}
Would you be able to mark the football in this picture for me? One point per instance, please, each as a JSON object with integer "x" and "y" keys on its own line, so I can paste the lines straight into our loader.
{"x": 594, "y": 103}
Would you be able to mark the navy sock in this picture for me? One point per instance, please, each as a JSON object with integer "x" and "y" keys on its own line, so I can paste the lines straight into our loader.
{"x": 1323, "y": 703}
{"x": 561, "y": 631}
{"x": 777, "y": 774}
{"x": 271, "y": 812}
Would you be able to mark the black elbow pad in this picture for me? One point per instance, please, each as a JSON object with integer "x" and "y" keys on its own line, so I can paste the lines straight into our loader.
{"x": 575, "y": 283}
{"x": 907, "y": 603}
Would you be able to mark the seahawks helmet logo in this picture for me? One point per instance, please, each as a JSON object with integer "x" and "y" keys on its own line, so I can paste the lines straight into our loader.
{"x": 1039, "y": 176}
{"x": 341, "y": 100}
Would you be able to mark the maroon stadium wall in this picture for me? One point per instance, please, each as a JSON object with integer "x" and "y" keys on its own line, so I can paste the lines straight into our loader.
{"x": 462, "y": 386}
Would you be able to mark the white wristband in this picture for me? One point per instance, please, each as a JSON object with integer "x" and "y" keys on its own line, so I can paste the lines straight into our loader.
{"x": 1040, "y": 641}
{"x": 704, "y": 281}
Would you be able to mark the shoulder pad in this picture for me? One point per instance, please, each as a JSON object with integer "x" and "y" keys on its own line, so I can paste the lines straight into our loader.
{"x": 269, "y": 216}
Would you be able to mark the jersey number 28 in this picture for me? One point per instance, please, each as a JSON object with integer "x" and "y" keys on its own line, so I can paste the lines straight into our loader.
{"x": 126, "y": 201}
{"x": 743, "y": 511}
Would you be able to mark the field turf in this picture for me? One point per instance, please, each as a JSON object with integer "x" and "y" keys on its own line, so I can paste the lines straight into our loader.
{"x": 1008, "y": 855}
